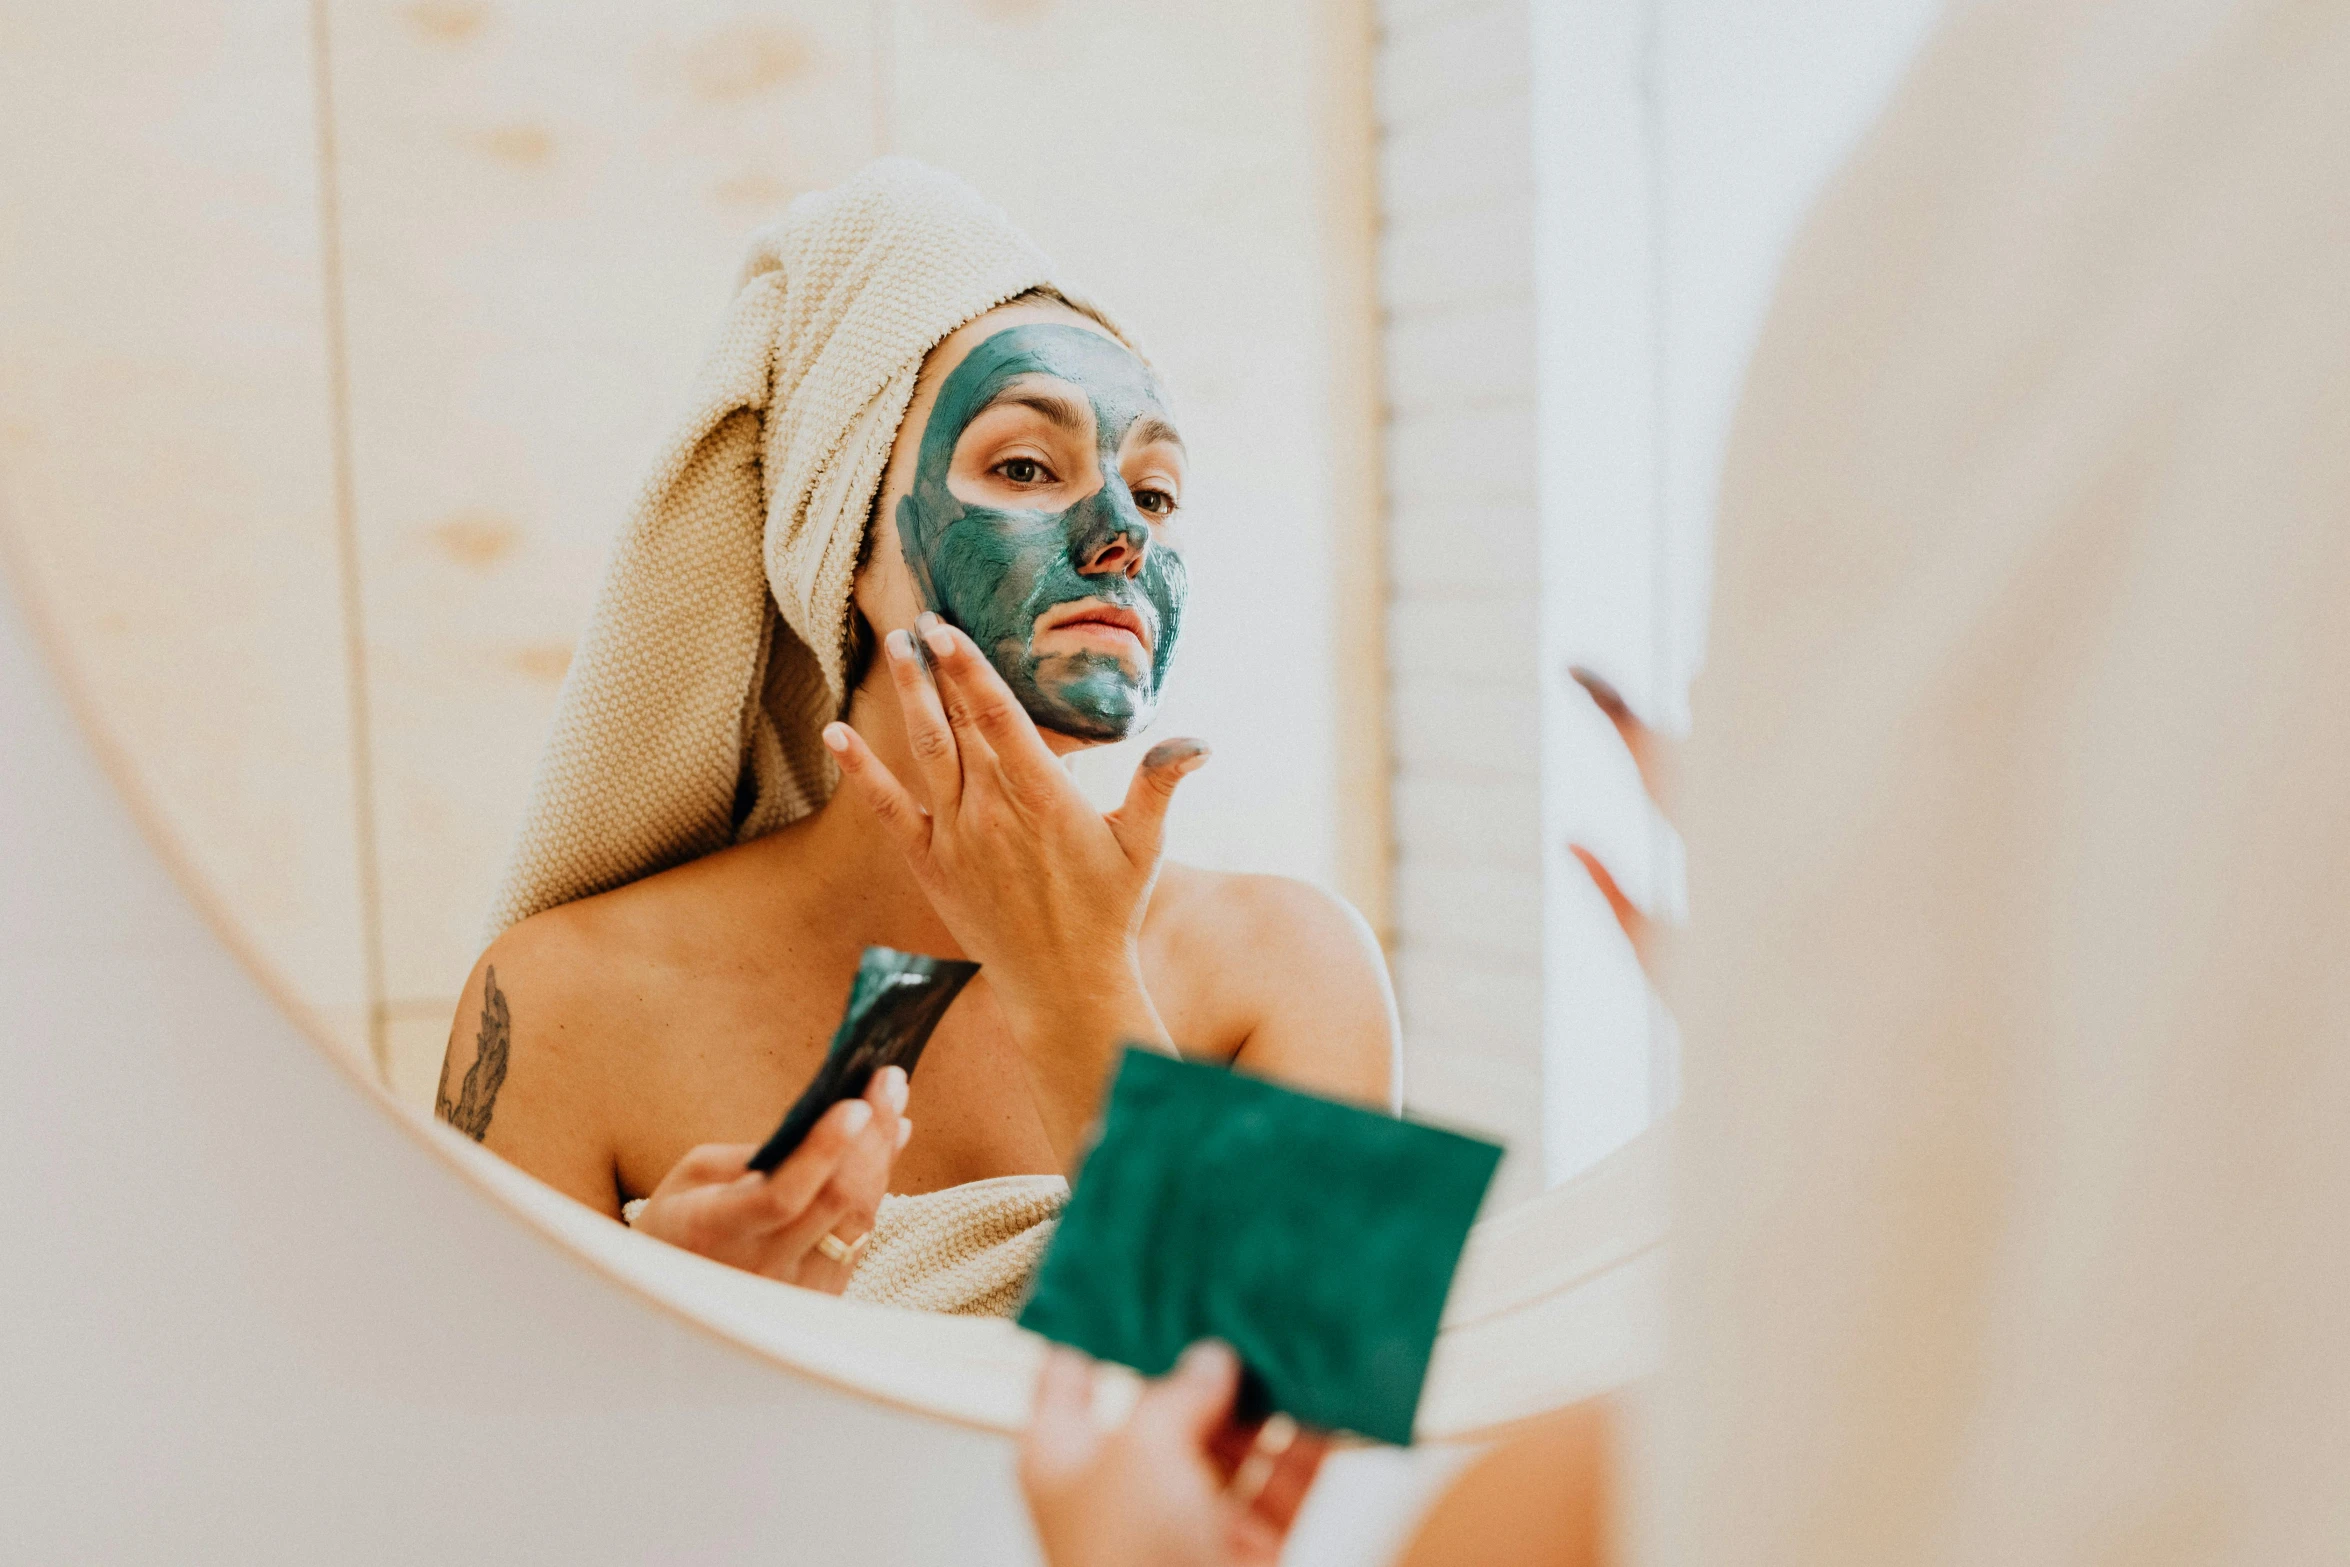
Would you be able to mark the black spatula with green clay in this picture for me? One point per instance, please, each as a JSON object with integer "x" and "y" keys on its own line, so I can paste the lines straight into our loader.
{"x": 895, "y": 1002}
{"x": 1316, "y": 1238}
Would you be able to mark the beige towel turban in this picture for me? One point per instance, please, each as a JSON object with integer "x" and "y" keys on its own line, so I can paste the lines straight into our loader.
{"x": 691, "y": 715}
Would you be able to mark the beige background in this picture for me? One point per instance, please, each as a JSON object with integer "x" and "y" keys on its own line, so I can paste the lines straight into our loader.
{"x": 2009, "y": 1206}
{"x": 337, "y": 338}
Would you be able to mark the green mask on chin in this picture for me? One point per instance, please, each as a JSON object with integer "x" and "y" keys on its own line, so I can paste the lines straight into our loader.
{"x": 993, "y": 571}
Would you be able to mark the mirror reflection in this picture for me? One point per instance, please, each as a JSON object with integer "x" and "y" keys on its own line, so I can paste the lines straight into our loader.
{"x": 1303, "y": 538}
{"x": 920, "y": 539}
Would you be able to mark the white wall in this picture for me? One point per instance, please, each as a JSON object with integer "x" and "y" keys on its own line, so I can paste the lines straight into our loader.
{"x": 1457, "y": 291}
{"x": 1677, "y": 145}
{"x": 1584, "y": 204}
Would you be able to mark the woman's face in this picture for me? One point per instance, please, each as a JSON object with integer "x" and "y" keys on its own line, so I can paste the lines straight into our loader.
{"x": 1029, "y": 498}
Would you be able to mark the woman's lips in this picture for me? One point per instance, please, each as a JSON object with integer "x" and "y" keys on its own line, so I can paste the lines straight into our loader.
{"x": 1112, "y": 627}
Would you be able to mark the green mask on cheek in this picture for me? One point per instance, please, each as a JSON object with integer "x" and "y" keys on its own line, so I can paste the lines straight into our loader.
{"x": 993, "y": 571}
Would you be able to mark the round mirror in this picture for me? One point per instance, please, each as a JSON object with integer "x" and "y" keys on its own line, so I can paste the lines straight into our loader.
{"x": 340, "y": 343}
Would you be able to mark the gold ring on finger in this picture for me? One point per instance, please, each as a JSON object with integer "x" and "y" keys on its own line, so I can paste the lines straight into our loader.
{"x": 838, "y": 1250}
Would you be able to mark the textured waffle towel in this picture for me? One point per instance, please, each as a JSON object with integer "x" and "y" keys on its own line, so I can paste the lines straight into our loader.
{"x": 969, "y": 1250}
{"x": 692, "y": 712}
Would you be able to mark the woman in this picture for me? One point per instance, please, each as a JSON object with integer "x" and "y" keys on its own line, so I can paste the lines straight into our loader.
{"x": 907, "y": 432}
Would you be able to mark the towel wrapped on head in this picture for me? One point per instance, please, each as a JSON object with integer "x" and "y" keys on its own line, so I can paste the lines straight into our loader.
{"x": 718, "y": 649}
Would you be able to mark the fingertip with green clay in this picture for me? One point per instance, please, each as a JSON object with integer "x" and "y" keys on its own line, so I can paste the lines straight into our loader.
{"x": 1184, "y": 753}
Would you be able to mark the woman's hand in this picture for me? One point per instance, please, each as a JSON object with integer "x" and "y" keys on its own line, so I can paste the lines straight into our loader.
{"x": 1046, "y": 892}
{"x": 713, "y": 1203}
{"x": 1179, "y": 1485}
{"x": 1649, "y": 756}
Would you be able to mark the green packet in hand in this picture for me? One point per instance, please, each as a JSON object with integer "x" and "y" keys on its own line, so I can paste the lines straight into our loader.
{"x": 895, "y": 1001}
{"x": 1317, "y": 1239}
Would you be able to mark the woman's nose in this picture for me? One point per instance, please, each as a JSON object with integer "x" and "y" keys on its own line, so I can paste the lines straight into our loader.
{"x": 1109, "y": 534}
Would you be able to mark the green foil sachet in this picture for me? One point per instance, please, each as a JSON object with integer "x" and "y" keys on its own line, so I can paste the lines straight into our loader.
{"x": 1316, "y": 1238}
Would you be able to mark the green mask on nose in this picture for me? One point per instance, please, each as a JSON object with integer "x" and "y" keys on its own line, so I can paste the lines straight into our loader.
{"x": 992, "y": 571}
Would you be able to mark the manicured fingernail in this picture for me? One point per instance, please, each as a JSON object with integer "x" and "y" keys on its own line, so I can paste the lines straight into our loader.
{"x": 1205, "y": 1356}
{"x": 894, "y": 1086}
{"x": 939, "y": 639}
{"x": 905, "y": 1132}
{"x": 857, "y": 1118}
{"x": 925, "y": 623}
{"x": 1276, "y": 1435}
{"x": 836, "y": 737}
{"x": 1170, "y": 753}
{"x": 900, "y": 645}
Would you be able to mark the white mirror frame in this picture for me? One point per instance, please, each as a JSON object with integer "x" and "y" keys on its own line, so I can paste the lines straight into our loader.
{"x": 1558, "y": 1298}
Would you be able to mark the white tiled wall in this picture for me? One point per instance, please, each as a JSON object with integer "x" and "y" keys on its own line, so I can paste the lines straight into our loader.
{"x": 1584, "y": 207}
{"x": 1457, "y": 294}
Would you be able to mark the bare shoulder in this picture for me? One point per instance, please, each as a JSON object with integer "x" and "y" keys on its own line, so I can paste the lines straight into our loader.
{"x": 1293, "y": 971}
{"x": 531, "y": 985}
{"x": 612, "y": 957}
{"x": 1241, "y": 913}
{"x": 557, "y": 959}
{"x": 551, "y": 1012}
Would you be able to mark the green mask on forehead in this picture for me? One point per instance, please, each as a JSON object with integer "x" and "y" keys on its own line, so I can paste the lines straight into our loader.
{"x": 993, "y": 571}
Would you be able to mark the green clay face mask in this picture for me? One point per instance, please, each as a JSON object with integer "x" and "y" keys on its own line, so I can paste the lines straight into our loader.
{"x": 992, "y": 571}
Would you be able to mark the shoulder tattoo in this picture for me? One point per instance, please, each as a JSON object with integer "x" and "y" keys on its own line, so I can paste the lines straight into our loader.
{"x": 478, "y": 1096}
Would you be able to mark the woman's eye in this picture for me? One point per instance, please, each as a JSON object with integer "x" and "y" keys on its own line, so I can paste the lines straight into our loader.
{"x": 1023, "y": 470}
{"x": 1156, "y": 503}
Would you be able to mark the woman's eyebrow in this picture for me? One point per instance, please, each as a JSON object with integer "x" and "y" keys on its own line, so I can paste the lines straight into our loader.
{"x": 1150, "y": 427}
{"x": 1058, "y": 409}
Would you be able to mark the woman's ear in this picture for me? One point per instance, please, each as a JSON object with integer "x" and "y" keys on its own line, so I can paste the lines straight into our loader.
{"x": 857, "y": 658}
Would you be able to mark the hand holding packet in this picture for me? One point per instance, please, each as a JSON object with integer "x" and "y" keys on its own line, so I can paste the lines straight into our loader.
{"x": 895, "y": 1002}
{"x": 1316, "y": 1238}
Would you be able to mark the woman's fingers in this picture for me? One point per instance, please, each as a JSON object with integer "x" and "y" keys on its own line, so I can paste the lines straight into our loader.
{"x": 929, "y": 734}
{"x": 1062, "y": 1437}
{"x": 1140, "y": 824}
{"x": 948, "y": 674}
{"x": 1185, "y": 1407}
{"x": 711, "y": 1203}
{"x": 1293, "y": 1475}
{"x": 889, "y": 1093}
{"x": 863, "y": 1173}
{"x": 850, "y": 1201}
{"x": 1630, "y": 917}
{"x": 890, "y": 1090}
{"x": 986, "y": 716}
{"x": 707, "y": 1165}
{"x": 907, "y": 824}
{"x": 830, "y": 1212}
{"x": 1648, "y": 749}
{"x": 795, "y": 1183}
